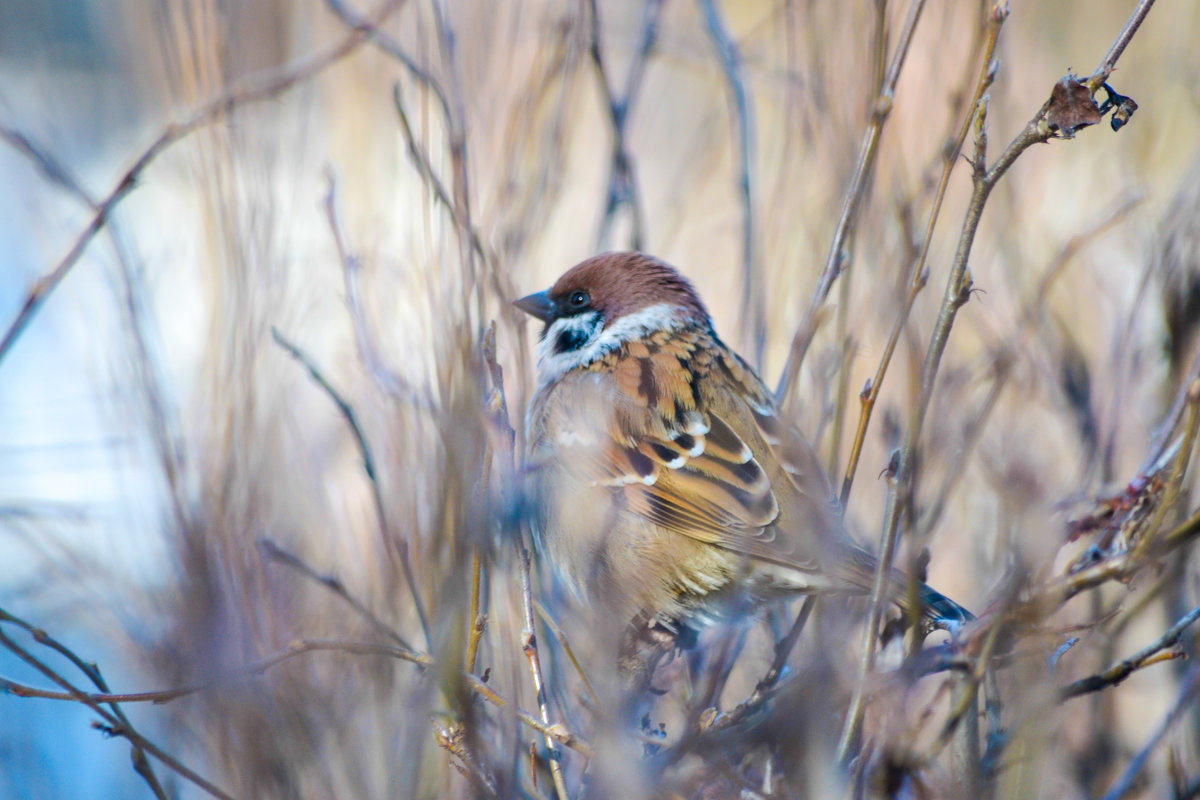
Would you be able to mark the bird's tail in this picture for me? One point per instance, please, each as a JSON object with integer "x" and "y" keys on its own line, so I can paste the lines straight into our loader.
{"x": 937, "y": 610}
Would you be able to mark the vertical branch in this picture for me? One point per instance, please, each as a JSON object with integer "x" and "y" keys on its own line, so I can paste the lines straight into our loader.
{"x": 852, "y": 727}
{"x": 879, "y": 37}
{"x": 457, "y": 141}
{"x": 622, "y": 180}
{"x": 918, "y": 274}
{"x": 498, "y": 410}
{"x": 529, "y": 646}
{"x": 754, "y": 306}
{"x": 864, "y": 168}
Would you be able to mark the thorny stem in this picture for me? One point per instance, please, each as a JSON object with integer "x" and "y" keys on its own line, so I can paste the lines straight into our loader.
{"x": 863, "y": 169}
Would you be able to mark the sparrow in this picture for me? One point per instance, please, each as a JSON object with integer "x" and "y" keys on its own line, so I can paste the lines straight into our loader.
{"x": 664, "y": 481}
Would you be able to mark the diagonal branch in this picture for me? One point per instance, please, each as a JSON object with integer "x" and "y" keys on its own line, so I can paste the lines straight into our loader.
{"x": 261, "y": 88}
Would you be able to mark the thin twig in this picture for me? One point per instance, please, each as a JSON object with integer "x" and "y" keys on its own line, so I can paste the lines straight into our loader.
{"x": 918, "y": 274}
{"x": 163, "y": 696}
{"x": 477, "y": 620}
{"x": 456, "y": 140}
{"x": 477, "y": 685}
{"x": 391, "y": 381}
{"x": 429, "y": 176}
{"x": 273, "y": 551}
{"x": 112, "y": 724}
{"x": 1056, "y": 592}
{"x": 529, "y": 646}
{"x": 852, "y": 727}
{"x": 958, "y": 288}
{"x": 561, "y": 637}
{"x": 555, "y": 732}
{"x": 765, "y": 689}
{"x": 364, "y": 450}
{"x": 622, "y": 176}
{"x": 388, "y": 45}
{"x": 1120, "y": 671}
{"x": 451, "y": 740}
{"x": 92, "y": 671}
{"x": 864, "y": 168}
{"x": 1178, "y": 470}
{"x": 262, "y": 87}
{"x": 1001, "y": 361}
{"x": 1182, "y": 702}
{"x": 1118, "y": 46}
{"x": 754, "y": 300}
{"x": 498, "y": 412}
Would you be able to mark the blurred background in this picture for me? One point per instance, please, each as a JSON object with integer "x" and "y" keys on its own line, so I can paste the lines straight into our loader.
{"x": 381, "y": 211}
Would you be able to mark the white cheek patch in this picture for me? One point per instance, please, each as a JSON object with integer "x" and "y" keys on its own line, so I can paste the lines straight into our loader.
{"x": 577, "y": 332}
{"x": 597, "y": 340}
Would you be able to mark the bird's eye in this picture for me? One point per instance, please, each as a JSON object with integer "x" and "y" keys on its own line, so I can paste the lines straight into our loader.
{"x": 579, "y": 299}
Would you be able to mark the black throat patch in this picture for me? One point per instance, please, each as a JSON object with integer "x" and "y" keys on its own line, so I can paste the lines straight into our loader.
{"x": 577, "y": 332}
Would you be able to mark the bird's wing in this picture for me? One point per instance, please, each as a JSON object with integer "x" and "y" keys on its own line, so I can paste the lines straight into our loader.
{"x": 688, "y": 435}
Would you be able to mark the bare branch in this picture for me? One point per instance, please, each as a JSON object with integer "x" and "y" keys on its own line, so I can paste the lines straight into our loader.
{"x": 264, "y": 87}
{"x": 864, "y": 168}
{"x": 364, "y": 450}
{"x": 754, "y": 299}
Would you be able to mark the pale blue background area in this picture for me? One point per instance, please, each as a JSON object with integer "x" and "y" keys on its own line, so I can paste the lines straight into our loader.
{"x": 66, "y": 455}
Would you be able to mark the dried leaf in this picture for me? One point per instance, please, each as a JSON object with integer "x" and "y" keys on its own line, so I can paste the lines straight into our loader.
{"x": 1071, "y": 107}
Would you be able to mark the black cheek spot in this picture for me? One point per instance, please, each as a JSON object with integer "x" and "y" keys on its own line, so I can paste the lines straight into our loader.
{"x": 570, "y": 339}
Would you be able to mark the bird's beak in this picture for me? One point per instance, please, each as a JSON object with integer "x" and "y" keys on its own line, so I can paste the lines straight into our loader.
{"x": 537, "y": 305}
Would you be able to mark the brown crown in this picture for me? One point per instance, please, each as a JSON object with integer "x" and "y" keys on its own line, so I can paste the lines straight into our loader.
{"x": 624, "y": 282}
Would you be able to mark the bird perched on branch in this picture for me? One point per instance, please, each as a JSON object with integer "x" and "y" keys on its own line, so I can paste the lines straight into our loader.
{"x": 665, "y": 483}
